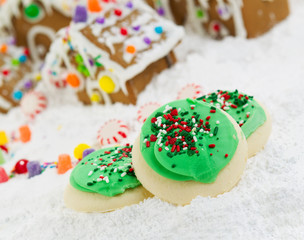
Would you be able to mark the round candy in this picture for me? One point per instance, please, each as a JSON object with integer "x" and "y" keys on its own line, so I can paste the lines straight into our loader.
{"x": 78, "y": 151}
{"x": 21, "y": 166}
{"x": 112, "y": 132}
{"x": 73, "y": 80}
{"x": 107, "y": 84}
{"x": 33, "y": 103}
{"x": 190, "y": 91}
{"x": 145, "y": 111}
{"x": 32, "y": 11}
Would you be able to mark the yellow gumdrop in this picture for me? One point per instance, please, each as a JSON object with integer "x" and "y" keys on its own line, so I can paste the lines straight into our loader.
{"x": 3, "y": 138}
{"x": 95, "y": 97}
{"x": 38, "y": 77}
{"x": 107, "y": 84}
{"x": 78, "y": 151}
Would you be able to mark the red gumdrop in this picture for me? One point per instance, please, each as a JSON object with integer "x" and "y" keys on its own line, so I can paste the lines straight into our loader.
{"x": 20, "y": 166}
{"x": 3, "y": 175}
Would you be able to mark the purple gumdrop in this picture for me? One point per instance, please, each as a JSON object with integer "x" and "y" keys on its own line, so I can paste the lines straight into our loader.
{"x": 161, "y": 11}
{"x": 100, "y": 20}
{"x": 129, "y": 4}
{"x": 147, "y": 40}
{"x": 33, "y": 169}
{"x": 28, "y": 84}
{"x": 136, "y": 28}
{"x": 81, "y": 14}
{"x": 87, "y": 152}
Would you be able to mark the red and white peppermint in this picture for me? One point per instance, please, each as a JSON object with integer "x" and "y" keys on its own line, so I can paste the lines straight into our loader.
{"x": 112, "y": 132}
{"x": 190, "y": 91}
{"x": 146, "y": 110}
{"x": 59, "y": 82}
{"x": 33, "y": 103}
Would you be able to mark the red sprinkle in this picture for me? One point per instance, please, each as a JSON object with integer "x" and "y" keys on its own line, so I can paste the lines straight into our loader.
{"x": 207, "y": 118}
{"x": 212, "y": 111}
{"x": 226, "y": 155}
{"x": 211, "y": 145}
{"x": 153, "y": 138}
{"x": 153, "y": 120}
{"x": 174, "y": 112}
{"x": 160, "y": 149}
{"x": 147, "y": 144}
{"x": 233, "y": 106}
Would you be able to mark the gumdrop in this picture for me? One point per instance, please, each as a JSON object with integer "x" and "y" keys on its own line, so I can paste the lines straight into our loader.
{"x": 64, "y": 163}
{"x": 3, "y": 138}
{"x": 21, "y": 166}
{"x": 25, "y": 134}
{"x": 87, "y": 152}
{"x": 34, "y": 169}
{"x": 3, "y": 175}
{"x": 78, "y": 151}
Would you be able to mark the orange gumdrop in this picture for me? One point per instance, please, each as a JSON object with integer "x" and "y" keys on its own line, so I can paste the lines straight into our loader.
{"x": 25, "y": 134}
{"x": 131, "y": 49}
{"x": 73, "y": 80}
{"x": 94, "y": 6}
{"x": 64, "y": 163}
{"x": 3, "y": 48}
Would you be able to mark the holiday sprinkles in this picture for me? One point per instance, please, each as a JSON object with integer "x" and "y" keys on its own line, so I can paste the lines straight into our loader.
{"x": 188, "y": 140}
{"x": 106, "y": 171}
{"x": 245, "y": 110}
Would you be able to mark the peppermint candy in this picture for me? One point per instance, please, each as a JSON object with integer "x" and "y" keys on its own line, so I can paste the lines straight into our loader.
{"x": 33, "y": 103}
{"x": 145, "y": 111}
{"x": 191, "y": 90}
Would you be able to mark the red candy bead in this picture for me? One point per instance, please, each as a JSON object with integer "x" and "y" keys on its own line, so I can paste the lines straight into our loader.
{"x": 123, "y": 31}
{"x": 118, "y": 12}
{"x": 20, "y": 166}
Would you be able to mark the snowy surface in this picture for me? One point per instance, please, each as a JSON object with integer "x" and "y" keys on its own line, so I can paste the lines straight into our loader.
{"x": 266, "y": 204}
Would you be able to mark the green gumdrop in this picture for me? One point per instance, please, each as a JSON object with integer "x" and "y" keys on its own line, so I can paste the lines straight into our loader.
{"x": 1, "y": 158}
{"x": 32, "y": 11}
{"x": 199, "y": 13}
{"x": 15, "y": 62}
{"x": 78, "y": 59}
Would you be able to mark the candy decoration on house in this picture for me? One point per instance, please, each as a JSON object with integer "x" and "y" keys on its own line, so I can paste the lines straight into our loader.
{"x": 242, "y": 18}
{"x": 33, "y": 103}
{"x": 146, "y": 110}
{"x": 17, "y": 75}
{"x": 112, "y": 132}
{"x": 35, "y": 22}
{"x": 191, "y": 90}
{"x": 110, "y": 56}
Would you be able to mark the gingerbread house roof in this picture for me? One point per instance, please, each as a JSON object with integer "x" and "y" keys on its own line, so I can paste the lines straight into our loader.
{"x": 124, "y": 37}
{"x": 11, "y": 8}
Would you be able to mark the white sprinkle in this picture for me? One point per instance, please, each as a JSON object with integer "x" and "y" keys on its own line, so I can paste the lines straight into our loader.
{"x": 164, "y": 126}
{"x": 193, "y": 120}
{"x": 115, "y": 170}
{"x": 176, "y": 124}
{"x": 99, "y": 179}
{"x": 245, "y": 105}
{"x": 185, "y": 148}
{"x": 217, "y": 122}
{"x": 106, "y": 179}
{"x": 90, "y": 173}
{"x": 179, "y": 109}
{"x": 242, "y": 121}
{"x": 167, "y": 148}
{"x": 161, "y": 144}
{"x": 123, "y": 174}
{"x": 194, "y": 138}
{"x": 211, "y": 135}
{"x": 145, "y": 140}
{"x": 226, "y": 108}
{"x": 195, "y": 125}
{"x": 201, "y": 130}
{"x": 103, "y": 168}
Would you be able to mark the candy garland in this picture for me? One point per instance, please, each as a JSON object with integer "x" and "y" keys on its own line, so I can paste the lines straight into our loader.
{"x": 143, "y": 41}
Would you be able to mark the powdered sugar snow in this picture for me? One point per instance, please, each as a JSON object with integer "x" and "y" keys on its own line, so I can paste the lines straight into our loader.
{"x": 266, "y": 204}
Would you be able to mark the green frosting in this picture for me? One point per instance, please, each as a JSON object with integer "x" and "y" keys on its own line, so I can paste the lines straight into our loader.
{"x": 247, "y": 112}
{"x": 107, "y": 171}
{"x": 188, "y": 140}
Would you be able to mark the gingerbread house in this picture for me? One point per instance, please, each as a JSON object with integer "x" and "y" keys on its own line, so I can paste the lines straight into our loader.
{"x": 111, "y": 55}
{"x": 35, "y": 22}
{"x": 220, "y": 18}
{"x": 16, "y": 74}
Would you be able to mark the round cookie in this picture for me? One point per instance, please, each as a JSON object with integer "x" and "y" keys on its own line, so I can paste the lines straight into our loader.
{"x": 251, "y": 116}
{"x": 189, "y": 148}
{"x": 104, "y": 181}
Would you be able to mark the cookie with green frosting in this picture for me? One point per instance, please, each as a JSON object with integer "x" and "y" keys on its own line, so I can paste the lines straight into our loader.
{"x": 101, "y": 177}
{"x": 186, "y": 145}
{"x": 251, "y": 116}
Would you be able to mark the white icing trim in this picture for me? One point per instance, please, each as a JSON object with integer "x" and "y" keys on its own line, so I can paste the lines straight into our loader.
{"x": 34, "y": 31}
{"x": 4, "y": 104}
{"x": 236, "y": 7}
